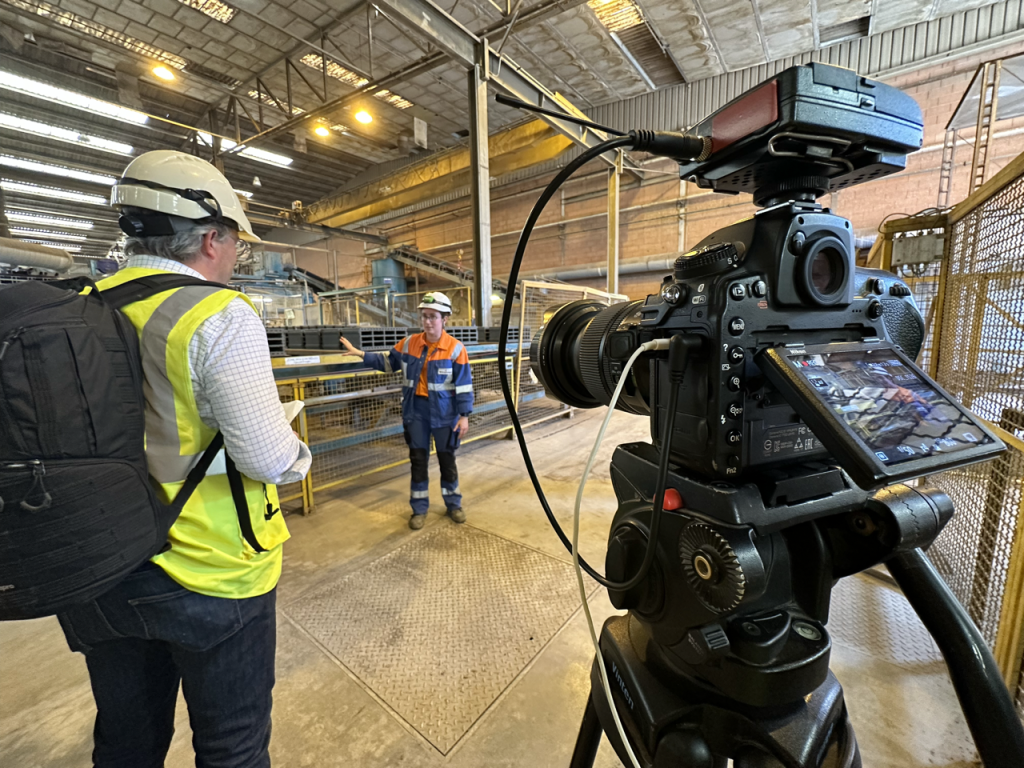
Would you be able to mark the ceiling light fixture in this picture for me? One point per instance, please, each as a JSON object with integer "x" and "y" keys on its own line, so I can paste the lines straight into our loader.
{"x": 364, "y": 117}
{"x": 19, "y": 232}
{"x": 55, "y": 170}
{"x": 24, "y": 188}
{"x": 47, "y": 221}
{"x": 253, "y": 153}
{"x": 35, "y": 128}
{"x": 66, "y": 98}
{"x": 322, "y": 130}
{"x": 163, "y": 72}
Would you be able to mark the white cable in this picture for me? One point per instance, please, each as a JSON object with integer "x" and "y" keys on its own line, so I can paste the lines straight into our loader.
{"x": 649, "y": 346}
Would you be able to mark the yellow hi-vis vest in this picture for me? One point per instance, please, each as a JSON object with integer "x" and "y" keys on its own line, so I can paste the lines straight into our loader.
{"x": 208, "y": 553}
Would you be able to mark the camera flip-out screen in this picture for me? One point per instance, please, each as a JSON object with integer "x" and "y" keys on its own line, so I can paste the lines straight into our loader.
{"x": 878, "y": 414}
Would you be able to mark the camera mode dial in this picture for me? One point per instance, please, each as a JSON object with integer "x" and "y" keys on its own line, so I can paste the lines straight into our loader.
{"x": 712, "y": 568}
{"x": 708, "y": 260}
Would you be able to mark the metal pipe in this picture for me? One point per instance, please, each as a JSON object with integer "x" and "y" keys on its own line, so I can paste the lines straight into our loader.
{"x": 20, "y": 253}
{"x": 625, "y": 268}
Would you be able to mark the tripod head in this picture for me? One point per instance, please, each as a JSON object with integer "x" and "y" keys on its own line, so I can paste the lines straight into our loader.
{"x": 738, "y": 597}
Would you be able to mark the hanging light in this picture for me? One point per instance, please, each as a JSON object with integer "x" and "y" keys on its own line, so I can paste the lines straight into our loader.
{"x": 364, "y": 117}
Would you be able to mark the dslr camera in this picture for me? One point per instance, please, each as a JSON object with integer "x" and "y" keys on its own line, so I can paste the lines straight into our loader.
{"x": 783, "y": 426}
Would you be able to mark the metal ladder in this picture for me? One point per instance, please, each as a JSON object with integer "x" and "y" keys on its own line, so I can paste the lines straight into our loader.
{"x": 946, "y": 168}
{"x": 987, "y": 107}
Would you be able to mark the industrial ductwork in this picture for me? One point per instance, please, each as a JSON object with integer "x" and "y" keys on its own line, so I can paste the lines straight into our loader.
{"x": 20, "y": 253}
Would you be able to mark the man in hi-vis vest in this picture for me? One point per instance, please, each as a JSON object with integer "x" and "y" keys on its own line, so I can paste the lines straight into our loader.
{"x": 200, "y": 614}
{"x": 437, "y": 398}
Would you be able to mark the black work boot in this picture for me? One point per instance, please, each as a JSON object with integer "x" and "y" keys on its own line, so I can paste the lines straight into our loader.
{"x": 416, "y": 521}
{"x": 457, "y": 515}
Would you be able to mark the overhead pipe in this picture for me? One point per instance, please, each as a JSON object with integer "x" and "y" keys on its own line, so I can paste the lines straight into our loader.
{"x": 22, "y": 254}
{"x": 625, "y": 268}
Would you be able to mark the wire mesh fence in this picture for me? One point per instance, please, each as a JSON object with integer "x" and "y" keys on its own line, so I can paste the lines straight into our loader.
{"x": 978, "y": 344}
{"x": 923, "y": 280}
{"x": 352, "y": 422}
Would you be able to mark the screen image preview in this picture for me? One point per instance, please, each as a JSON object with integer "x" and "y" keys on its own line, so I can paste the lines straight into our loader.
{"x": 888, "y": 406}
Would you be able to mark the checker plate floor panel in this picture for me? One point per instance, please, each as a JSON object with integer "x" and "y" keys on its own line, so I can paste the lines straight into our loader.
{"x": 872, "y": 617}
{"x": 439, "y": 627}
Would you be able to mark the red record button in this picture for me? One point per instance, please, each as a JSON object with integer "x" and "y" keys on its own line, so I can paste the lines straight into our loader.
{"x": 673, "y": 500}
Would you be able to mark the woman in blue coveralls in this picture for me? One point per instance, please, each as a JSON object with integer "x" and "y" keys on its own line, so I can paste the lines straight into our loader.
{"x": 437, "y": 398}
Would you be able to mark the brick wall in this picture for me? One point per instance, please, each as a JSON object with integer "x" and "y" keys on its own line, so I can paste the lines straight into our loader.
{"x": 662, "y": 214}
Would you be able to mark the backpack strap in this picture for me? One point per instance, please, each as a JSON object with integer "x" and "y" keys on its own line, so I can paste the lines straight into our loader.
{"x": 144, "y": 287}
{"x": 241, "y": 504}
{"x": 196, "y": 474}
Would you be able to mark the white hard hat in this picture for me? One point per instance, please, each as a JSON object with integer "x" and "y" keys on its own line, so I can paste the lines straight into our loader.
{"x": 178, "y": 184}
{"x": 436, "y": 300}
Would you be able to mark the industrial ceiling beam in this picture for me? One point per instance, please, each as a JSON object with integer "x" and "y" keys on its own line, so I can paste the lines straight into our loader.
{"x": 510, "y": 149}
{"x": 539, "y": 12}
{"x": 425, "y": 18}
{"x": 285, "y": 223}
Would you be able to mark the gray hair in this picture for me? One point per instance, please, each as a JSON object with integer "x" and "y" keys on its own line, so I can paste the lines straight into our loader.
{"x": 181, "y": 246}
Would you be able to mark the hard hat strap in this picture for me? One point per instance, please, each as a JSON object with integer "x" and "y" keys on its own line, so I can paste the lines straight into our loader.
{"x": 198, "y": 196}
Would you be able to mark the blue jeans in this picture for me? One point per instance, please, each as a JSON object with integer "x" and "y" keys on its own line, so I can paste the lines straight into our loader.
{"x": 147, "y": 635}
{"x": 446, "y": 441}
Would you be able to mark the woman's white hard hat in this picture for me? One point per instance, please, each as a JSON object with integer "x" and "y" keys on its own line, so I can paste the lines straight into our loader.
{"x": 436, "y": 300}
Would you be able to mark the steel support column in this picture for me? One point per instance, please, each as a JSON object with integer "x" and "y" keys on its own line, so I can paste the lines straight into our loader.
{"x": 613, "y": 224}
{"x": 480, "y": 187}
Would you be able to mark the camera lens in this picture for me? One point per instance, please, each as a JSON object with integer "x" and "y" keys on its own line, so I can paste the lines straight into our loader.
{"x": 826, "y": 272}
{"x": 570, "y": 357}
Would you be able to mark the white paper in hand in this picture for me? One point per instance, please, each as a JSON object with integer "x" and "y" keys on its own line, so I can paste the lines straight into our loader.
{"x": 292, "y": 409}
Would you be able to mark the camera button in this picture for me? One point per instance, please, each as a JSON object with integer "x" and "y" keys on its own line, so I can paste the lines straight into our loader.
{"x": 735, "y": 410}
{"x": 736, "y": 326}
{"x": 734, "y": 383}
{"x": 735, "y": 355}
{"x": 734, "y": 437}
{"x": 759, "y": 289}
{"x": 732, "y": 460}
{"x": 737, "y": 291}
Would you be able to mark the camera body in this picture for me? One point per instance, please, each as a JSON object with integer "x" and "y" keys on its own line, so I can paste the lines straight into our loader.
{"x": 785, "y": 276}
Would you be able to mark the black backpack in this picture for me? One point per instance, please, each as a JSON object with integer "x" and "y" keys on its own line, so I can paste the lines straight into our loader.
{"x": 77, "y": 510}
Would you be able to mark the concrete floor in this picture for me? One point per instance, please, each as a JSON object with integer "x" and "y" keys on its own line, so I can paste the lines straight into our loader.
{"x": 902, "y": 705}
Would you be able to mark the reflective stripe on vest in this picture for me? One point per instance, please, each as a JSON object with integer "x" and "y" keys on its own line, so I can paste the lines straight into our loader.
{"x": 208, "y": 554}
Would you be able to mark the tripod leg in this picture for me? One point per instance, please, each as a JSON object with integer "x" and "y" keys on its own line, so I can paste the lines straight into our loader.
{"x": 986, "y": 703}
{"x": 589, "y": 738}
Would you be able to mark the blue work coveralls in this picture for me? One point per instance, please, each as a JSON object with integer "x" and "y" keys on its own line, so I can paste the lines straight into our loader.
{"x": 449, "y": 397}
